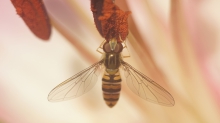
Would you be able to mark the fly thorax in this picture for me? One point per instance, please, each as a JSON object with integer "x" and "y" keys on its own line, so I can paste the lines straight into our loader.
{"x": 112, "y": 56}
{"x": 112, "y": 61}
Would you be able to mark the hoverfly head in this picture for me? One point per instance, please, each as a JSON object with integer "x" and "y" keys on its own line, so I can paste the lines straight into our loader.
{"x": 112, "y": 46}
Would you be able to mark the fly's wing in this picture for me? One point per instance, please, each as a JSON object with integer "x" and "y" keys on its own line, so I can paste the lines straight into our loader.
{"x": 146, "y": 88}
{"x": 76, "y": 85}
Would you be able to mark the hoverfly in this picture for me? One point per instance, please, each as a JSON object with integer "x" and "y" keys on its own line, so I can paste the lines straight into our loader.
{"x": 83, "y": 81}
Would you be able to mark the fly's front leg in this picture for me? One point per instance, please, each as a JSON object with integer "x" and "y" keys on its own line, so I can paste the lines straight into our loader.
{"x": 125, "y": 52}
{"x": 100, "y": 48}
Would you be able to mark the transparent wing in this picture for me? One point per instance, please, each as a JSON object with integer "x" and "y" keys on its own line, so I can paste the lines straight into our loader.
{"x": 146, "y": 88}
{"x": 76, "y": 85}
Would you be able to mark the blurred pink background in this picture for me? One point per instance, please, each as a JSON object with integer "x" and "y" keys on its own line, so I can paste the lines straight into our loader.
{"x": 176, "y": 43}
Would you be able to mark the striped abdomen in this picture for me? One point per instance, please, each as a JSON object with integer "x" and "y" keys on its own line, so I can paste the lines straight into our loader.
{"x": 111, "y": 87}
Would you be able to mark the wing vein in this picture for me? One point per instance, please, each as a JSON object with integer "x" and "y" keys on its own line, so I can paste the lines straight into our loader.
{"x": 146, "y": 88}
{"x": 76, "y": 85}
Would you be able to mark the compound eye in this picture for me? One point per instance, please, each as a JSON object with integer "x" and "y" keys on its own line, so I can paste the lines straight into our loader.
{"x": 106, "y": 47}
{"x": 118, "y": 48}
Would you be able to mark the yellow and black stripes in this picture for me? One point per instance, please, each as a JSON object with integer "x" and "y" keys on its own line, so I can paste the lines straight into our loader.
{"x": 111, "y": 87}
